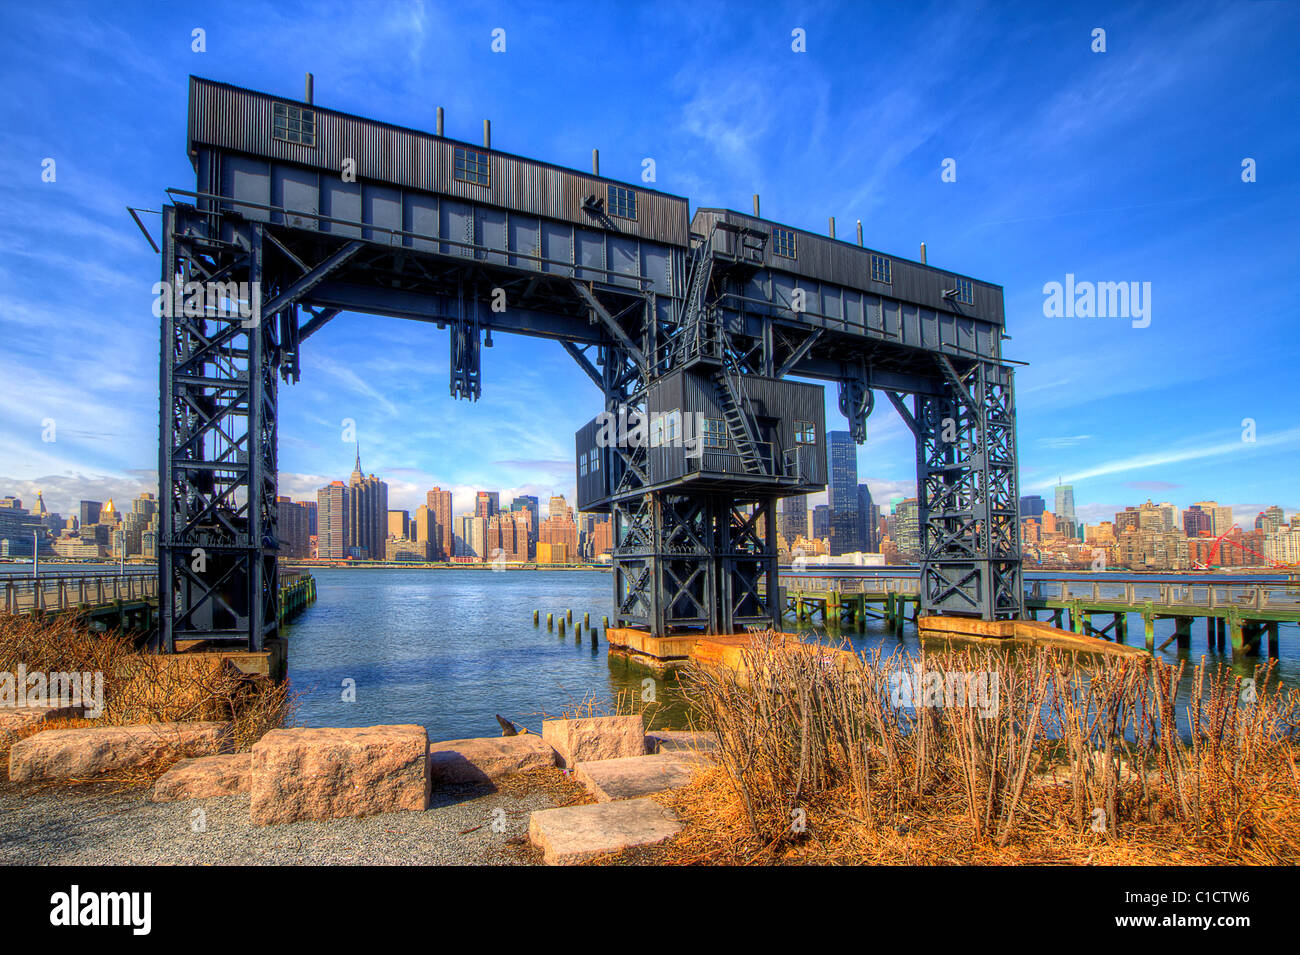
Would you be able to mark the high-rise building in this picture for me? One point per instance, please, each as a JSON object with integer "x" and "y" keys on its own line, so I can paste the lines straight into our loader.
{"x": 90, "y": 512}
{"x": 1064, "y": 510}
{"x": 442, "y": 537}
{"x": 1032, "y": 506}
{"x": 559, "y": 527}
{"x": 602, "y": 540}
{"x": 529, "y": 503}
{"x": 821, "y": 521}
{"x": 332, "y": 521}
{"x": 1220, "y": 517}
{"x": 842, "y": 491}
{"x": 291, "y": 527}
{"x": 487, "y": 503}
{"x": 1270, "y": 519}
{"x": 792, "y": 517}
{"x": 1197, "y": 523}
{"x": 367, "y": 515}
{"x": 867, "y": 520}
{"x": 907, "y": 529}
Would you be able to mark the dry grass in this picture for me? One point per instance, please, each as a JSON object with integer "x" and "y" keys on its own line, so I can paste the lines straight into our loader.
{"x": 142, "y": 687}
{"x": 1081, "y": 761}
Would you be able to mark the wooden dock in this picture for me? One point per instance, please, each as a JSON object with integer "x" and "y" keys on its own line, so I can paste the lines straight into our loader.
{"x": 1244, "y": 617}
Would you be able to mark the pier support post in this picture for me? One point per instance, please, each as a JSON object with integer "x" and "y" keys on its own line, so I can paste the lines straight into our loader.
{"x": 1121, "y": 627}
{"x": 1149, "y": 626}
{"x": 1209, "y": 632}
{"x": 1271, "y": 627}
{"x": 1237, "y": 636}
{"x": 1220, "y": 626}
{"x": 1183, "y": 631}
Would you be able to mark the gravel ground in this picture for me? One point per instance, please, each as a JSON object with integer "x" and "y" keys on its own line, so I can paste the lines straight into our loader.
{"x": 108, "y": 825}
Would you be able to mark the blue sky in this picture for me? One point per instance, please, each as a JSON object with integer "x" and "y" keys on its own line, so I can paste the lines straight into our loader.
{"x": 1117, "y": 166}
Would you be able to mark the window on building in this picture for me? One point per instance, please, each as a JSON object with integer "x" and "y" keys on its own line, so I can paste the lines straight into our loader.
{"x": 582, "y": 465}
{"x": 805, "y": 432}
{"x": 965, "y": 292}
{"x": 622, "y": 202}
{"x": 672, "y": 425}
{"x": 783, "y": 242}
{"x": 656, "y": 431}
{"x": 293, "y": 124}
{"x": 595, "y": 460}
{"x": 714, "y": 433}
{"x": 471, "y": 166}
{"x": 880, "y": 271}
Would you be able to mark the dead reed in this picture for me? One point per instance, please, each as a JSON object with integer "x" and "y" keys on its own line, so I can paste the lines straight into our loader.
{"x": 991, "y": 754}
{"x": 139, "y": 686}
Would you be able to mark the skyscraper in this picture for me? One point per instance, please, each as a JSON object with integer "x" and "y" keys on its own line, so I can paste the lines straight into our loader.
{"x": 442, "y": 538}
{"x": 367, "y": 527}
{"x": 1032, "y": 507}
{"x": 487, "y": 503}
{"x": 792, "y": 517}
{"x": 332, "y": 521}
{"x": 842, "y": 492}
{"x": 1065, "y": 509}
{"x": 907, "y": 533}
{"x": 560, "y": 526}
{"x": 867, "y": 521}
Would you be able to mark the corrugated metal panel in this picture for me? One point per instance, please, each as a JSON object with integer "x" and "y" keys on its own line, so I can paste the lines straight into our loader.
{"x": 240, "y": 121}
{"x": 842, "y": 263}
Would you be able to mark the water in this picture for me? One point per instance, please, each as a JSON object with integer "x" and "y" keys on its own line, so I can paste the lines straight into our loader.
{"x": 449, "y": 649}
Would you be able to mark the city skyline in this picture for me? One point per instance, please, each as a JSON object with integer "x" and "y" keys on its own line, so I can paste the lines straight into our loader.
{"x": 1115, "y": 410}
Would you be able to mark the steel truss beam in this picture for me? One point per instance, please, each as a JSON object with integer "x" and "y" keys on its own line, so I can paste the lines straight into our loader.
{"x": 967, "y": 493}
{"x": 686, "y": 562}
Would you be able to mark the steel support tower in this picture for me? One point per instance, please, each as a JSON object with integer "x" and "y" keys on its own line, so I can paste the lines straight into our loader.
{"x": 272, "y": 245}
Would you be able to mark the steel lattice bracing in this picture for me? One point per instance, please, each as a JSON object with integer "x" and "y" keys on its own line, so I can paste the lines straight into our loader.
{"x": 217, "y": 458}
{"x": 695, "y": 562}
{"x": 967, "y": 493}
{"x": 634, "y": 299}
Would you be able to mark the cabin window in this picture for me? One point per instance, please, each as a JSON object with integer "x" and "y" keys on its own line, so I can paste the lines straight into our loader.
{"x": 805, "y": 432}
{"x": 293, "y": 124}
{"x": 582, "y": 465}
{"x": 471, "y": 166}
{"x": 965, "y": 292}
{"x": 714, "y": 433}
{"x": 595, "y": 460}
{"x": 656, "y": 431}
{"x": 622, "y": 202}
{"x": 880, "y": 269}
{"x": 783, "y": 242}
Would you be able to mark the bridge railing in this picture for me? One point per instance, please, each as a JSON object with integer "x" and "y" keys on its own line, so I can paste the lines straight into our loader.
{"x": 53, "y": 592}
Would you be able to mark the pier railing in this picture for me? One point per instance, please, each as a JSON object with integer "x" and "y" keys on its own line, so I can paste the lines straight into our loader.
{"x": 54, "y": 592}
{"x": 1249, "y": 596}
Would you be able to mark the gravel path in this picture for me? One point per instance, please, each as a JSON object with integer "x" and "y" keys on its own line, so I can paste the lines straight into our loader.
{"x": 106, "y": 825}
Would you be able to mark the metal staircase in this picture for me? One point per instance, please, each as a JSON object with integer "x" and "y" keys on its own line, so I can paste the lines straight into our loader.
{"x": 740, "y": 423}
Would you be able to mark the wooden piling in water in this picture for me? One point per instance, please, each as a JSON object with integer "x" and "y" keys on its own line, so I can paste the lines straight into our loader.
{"x": 586, "y": 620}
{"x": 536, "y": 615}
{"x": 561, "y": 626}
{"x": 550, "y": 621}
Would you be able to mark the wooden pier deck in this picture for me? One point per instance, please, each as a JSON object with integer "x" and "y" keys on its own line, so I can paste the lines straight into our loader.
{"x": 123, "y": 600}
{"x": 1242, "y": 616}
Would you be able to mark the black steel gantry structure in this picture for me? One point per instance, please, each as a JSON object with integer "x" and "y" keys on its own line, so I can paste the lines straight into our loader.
{"x": 300, "y": 214}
